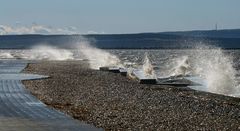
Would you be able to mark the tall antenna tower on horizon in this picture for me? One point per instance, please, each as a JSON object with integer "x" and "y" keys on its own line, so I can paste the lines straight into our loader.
{"x": 216, "y": 26}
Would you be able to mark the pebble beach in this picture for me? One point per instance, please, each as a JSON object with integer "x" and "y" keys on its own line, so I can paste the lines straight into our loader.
{"x": 114, "y": 102}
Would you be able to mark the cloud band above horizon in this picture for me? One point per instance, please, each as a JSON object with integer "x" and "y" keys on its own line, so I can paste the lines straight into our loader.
{"x": 35, "y": 29}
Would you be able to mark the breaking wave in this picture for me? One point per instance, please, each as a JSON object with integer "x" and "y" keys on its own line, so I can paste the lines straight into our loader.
{"x": 207, "y": 62}
{"x": 44, "y": 52}
{"x": 147, "y": 66}
{"x": 6, "y": 55}
{"x": 213, "y": 65}
{"x": 97, "y": 57}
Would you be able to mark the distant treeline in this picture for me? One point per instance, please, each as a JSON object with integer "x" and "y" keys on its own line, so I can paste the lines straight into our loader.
{"x": 167, "y": 40}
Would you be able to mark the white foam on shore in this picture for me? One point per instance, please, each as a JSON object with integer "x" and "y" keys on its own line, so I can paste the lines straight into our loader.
{"x": 97, "y": 57}
{"x": 147, "y": 66}
{"x": 217, "y": 68}
{"x": 182, "y": 67}
{"x": 45, "y": 52}
{"x": 40, "y": 52}
{"x": 6, "y": 55}
{"x": 211, "y": 64}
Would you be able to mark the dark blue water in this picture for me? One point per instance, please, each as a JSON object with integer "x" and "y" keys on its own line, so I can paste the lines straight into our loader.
{"x": 125, "y": 41}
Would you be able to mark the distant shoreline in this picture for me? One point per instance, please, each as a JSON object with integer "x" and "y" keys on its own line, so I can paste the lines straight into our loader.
{"x": 128, "y": 48}
{"x": 167, "y": 40}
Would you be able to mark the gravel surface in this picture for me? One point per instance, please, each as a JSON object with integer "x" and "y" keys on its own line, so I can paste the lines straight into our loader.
{"x": 114, "y": 102}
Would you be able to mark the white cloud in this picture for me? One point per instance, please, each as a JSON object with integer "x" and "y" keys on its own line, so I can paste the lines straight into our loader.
{"x": 36, "y": 29}
{"x": 95, "y": 32}
{"x": 40, "y": 29}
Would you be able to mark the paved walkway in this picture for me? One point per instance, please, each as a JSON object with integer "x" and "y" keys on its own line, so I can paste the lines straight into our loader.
{"x": 21, "y": 111}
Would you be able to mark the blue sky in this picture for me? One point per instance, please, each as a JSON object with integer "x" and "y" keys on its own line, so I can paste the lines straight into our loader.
{"x": 120, "y": 16}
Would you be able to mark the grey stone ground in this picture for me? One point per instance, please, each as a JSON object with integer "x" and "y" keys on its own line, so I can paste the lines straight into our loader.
{"x": 114, "y": 102}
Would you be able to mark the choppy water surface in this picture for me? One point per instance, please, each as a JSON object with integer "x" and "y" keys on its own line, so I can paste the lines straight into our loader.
{"x": 220, "y": 68}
